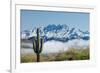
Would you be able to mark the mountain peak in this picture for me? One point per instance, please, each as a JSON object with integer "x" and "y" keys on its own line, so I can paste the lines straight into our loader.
{"x": 59, "y": 32}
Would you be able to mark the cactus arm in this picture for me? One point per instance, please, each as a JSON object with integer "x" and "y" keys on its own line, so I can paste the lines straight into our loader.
{"x": 34, "y": 46}
{"x": 41, "y": 46}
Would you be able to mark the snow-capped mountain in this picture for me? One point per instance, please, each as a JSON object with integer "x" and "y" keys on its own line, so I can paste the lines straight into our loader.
{"x": 60, "y": 32}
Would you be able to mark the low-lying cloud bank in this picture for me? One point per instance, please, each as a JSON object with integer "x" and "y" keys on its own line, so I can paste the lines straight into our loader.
{"x": 56, "y": 46}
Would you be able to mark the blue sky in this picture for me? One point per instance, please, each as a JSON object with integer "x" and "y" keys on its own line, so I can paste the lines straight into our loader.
{"x": 33, "y": 18}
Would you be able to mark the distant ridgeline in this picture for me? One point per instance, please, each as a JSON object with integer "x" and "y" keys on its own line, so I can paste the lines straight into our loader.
{"x": 60, "y": 32}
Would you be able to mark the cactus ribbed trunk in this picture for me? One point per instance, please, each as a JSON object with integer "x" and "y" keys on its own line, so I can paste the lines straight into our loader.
{"x": 38, "y": 58}
{"x": 38, "y": 44}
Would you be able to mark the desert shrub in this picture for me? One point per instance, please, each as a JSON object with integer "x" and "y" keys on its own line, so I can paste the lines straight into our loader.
{"x": 83, "y": 54}
{"x": 73, "y": 54}
{"x": 60, "y": 57}
{"x": 77, "y": 54}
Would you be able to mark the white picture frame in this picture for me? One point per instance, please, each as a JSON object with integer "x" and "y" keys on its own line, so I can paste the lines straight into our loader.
{"x": 16, "y": 66}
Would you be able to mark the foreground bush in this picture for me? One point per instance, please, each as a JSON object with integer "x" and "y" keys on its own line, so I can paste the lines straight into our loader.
{"x": 73, "y": 54}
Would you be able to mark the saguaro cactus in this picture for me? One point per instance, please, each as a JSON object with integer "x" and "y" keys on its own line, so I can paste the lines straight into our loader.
{"x": 38, "y": 45}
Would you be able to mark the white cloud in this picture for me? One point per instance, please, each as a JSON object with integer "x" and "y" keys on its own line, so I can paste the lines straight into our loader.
{"x": 56, "y": 46}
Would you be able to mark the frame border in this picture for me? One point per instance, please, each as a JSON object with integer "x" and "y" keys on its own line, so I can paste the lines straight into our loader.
{"x": 13, "y": 68}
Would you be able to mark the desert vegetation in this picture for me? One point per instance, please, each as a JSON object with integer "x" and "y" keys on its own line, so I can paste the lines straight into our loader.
{"x": 70, "y": 55}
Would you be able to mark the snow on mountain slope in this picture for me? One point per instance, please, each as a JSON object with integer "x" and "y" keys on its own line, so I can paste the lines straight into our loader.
{"x": 60, "y": 32}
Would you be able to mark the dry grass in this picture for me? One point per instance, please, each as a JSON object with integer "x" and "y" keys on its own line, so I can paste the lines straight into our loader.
{"x": 71, "y": 54}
